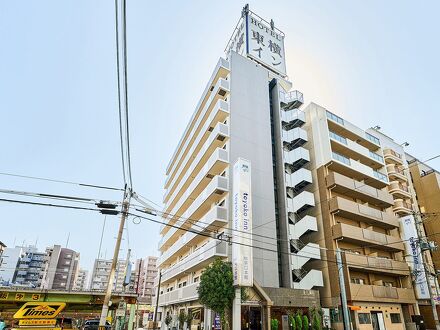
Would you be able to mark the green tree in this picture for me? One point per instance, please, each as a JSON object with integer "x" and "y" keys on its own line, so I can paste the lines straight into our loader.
{"x": 315, "y": 315}
{"x": 182, "y": 319}
{"x": 274, "y": 324}
{"x": 298, "y": 320}
{"x": 168, "y": 320}
{"x": 305, "y": 322}
{"x": 216, "y": 290}
{"x": 292, "y": 322}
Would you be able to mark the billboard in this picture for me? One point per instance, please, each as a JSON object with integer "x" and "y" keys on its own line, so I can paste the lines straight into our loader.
{"x": 39, "y": 310}
{"x": 260, "y": 40}
{"x": 242, "y": 224}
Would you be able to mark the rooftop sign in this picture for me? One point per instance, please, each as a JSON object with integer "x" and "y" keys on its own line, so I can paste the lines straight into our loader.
{"x": 259, "y": 40}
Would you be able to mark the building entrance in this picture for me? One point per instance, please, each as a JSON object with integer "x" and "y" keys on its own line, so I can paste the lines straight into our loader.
{"x": 251, "y": 318}
{"x": 377, "y": 321}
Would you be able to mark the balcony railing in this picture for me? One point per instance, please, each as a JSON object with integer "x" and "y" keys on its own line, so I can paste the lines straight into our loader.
{"x": 341, "y": 158}
{"x": 337, "y": 137}
{"x": 372, "y": 138}
{"x": 212, "y": 221}
{"x": 359, "y": 190}
{"x": 366, "y": 237}
{"x": 376, "y": 293}
{"x": 360, "y": 212}
{"x": 380, "y": 176}
{"x": 291, "y": 100}
{"x": 374, "y": 155}
{"x": 377, "y": 265}
{"x": 198, "y": 259}
{"x": 180, "y": 295}
{"x": 335, "y": 118}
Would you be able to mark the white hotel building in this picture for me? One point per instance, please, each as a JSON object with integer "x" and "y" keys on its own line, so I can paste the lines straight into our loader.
{"x": 247, "y": 110}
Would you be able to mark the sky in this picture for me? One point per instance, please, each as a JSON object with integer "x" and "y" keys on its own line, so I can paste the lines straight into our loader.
{"x": 373, "y": 63}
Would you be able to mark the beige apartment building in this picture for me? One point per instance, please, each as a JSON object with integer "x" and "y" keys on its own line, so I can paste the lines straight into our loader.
{"x": 358, "y": 214}
{"x": 426, "y": 181}
{"x": 400, "y": 168}
{"x": 147, "y": 274}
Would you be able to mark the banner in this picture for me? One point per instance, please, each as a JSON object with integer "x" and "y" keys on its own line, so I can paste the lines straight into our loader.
{"x": 242, "y": 224}
{"x": 413, "y": 256}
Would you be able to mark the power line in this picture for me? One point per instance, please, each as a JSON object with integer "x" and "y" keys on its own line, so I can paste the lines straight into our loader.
{"x": 85, "y": 200}
{"x": 53, "y": 196}
{"x": 260, "y": 248}
{"x": 61, "y": 181}
{"x": 47, "y": 204}
{"x": 198, "y": 233}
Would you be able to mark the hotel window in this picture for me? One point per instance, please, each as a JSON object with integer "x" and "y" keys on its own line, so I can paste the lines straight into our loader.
{"x": 395, "y": 318}
{"x": 364, "y": 318}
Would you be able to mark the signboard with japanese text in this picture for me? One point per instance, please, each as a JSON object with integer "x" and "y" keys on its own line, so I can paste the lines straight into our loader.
{"x": 260, "y": 40}
{"x": 413, "y": 256}
{"x": 242, "y": 266}
{"x": 38, "y": 322}
{"x": 39, "y": 310}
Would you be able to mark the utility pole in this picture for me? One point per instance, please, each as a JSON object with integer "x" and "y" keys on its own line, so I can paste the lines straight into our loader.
{"x": 157, "y": 302}
{"x": 124, "y": 212}
{"x": 426, "y": 246}
{"x": 342, "y": 288}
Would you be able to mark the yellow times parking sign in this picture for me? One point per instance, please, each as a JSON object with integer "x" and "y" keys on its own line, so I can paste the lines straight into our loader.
{"x": 39, "y": 310}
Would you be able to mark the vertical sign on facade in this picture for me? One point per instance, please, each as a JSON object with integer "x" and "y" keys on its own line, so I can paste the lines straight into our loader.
{"x": 242, "y": 224}
{"x": 260, "y": 40}
{"x": 414, "y": 258}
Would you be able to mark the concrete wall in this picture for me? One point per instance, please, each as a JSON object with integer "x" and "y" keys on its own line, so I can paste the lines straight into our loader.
{"x": 250, "y": 138}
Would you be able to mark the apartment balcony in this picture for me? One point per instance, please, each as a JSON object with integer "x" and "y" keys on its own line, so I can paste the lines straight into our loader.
{"x": 218, "y": 91}
{"x": 367, "y": 237}
{"x": 344, "y": 185}
{"x": 305, "y": 254}
{"x": 297, "y": 181}
{"x": 376, "y": 265}
{"x": 291, "y": 100}
{"x": 180, "y": 295}
{"x": 300, "y": 202}
{"x": 398, "y": 190}
{"x": 296, "y": 158}
{"x": 198, "y": 259}
{"x": 204, "y": 144}
{"x": 352, "y": 132}
{"x": 309, "y": 280}
{"x": 305, "y": 225}
{"x": 214, "y": 165}
{"x": 359, "y": 212}
{"x": 358, "y": 171}
{"x": 402, "y": 208}
{"x": 356, "y": 151}
{"x": 292, "y": 118}
{"x": 396, "y": 173}
{"x": 216, "y": 218}
{"x": 380, "y": 294}
{"x": 215, "y": 190}
{"x": 392, "y": 157}
{"x": 293, "y": 138}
